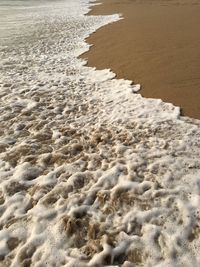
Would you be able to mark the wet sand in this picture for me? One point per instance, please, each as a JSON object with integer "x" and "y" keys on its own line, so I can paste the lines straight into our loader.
{"x": 156, "y": 45}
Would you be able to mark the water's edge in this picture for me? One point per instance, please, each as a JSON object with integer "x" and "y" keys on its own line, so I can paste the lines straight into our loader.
{"x": 91, "y": 173}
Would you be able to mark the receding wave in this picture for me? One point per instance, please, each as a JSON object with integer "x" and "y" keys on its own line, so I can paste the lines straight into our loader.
{"x": 92, "y": 174}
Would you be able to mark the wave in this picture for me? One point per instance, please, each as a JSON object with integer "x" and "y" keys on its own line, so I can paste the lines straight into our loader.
{"x": 92, "y": 173}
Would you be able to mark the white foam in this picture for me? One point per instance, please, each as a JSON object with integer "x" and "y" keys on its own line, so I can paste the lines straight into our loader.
{"x": 92, "y": 174}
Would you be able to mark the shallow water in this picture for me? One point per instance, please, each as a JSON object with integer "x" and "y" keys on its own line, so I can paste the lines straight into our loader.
{"x": 91, "y": 174}
{"x": 19, "y": 18}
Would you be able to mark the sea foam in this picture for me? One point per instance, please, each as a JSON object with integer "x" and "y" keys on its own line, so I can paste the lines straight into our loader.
{"x": 92, "y": 174}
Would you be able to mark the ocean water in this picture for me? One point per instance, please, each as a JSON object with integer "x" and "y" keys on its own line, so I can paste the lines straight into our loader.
{"x": 91, "y": 173}
{"x": 24, "y": 17}
{"x": 20, "y": 16}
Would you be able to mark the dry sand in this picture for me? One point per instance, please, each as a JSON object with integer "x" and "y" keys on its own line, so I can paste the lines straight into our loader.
{"x": 156, "y": 45}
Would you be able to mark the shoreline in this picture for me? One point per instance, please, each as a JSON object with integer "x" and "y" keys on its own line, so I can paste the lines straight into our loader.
{"x": 115, "y": 47}
{"x": 92, "y": 174}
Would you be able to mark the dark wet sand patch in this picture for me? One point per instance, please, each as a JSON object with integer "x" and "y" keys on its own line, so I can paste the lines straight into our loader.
{"x": 156, "y": 45}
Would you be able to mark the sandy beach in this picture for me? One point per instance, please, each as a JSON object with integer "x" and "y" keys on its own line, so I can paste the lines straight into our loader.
{"x": 92, "y": 174}
{"x": 156, "y": 45}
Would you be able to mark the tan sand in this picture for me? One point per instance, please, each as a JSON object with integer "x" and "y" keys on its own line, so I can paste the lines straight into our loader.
{"x": 156, "y": 45}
